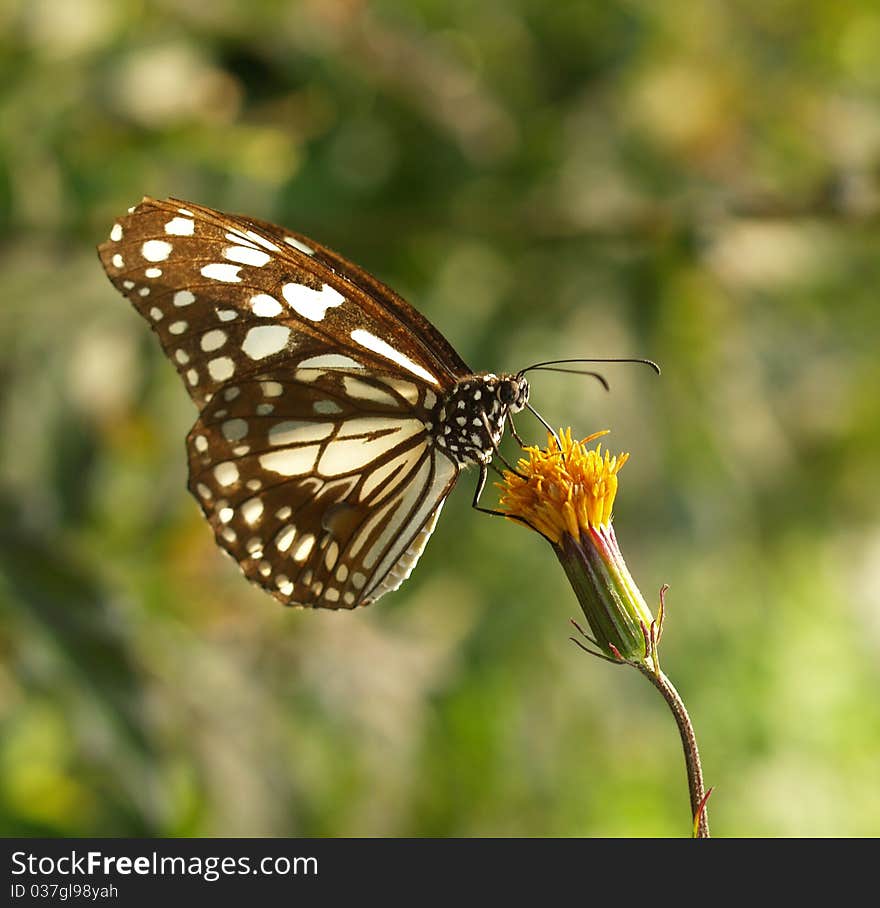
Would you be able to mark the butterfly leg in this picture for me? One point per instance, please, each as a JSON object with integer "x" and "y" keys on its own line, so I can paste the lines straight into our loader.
{"x": 478, "y": 491}
{"x": 513, "y": 431}
{"x": 507, "y": 464}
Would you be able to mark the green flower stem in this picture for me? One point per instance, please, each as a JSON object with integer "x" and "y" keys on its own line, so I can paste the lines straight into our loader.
{"x": 688, "y": 742}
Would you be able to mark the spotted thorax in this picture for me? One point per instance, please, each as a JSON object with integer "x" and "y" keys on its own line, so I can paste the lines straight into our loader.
{"x": 334, "y": 418}
{"x": 471, "y": 417}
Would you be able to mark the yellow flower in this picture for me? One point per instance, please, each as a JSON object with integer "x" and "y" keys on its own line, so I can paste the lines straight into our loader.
{"x": 563, "y": 491}
{"x": 566, "y": 493}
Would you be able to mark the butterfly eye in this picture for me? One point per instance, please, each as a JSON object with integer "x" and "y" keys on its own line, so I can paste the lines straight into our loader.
{"x": 507, "y": 392}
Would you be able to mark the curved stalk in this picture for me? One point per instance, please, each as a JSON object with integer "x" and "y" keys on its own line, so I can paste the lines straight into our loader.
{"x": 699, "y": 811}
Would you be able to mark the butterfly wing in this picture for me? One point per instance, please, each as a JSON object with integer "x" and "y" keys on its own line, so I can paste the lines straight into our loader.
{"x": 229, "y": 296}
{"x": 317, "y": 485}
{"x": 312, "y": 456}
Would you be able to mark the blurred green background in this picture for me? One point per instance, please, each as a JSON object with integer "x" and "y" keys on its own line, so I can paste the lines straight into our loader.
{"x": 694, "y": 182}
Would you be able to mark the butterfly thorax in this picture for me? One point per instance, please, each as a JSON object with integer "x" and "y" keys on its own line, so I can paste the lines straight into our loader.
{"x": 470, "y": 419}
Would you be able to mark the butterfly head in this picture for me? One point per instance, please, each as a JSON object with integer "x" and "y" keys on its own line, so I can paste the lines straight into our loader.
{"x": 512, "y": 392}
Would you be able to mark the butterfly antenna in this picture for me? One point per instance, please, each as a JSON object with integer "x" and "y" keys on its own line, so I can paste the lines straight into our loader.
{"x": 614, "y": 359}
{"x": 552, "y": 365}
{"x": 597, "y": 375}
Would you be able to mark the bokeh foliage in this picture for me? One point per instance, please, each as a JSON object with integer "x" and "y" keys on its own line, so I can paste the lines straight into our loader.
{"x": 694, "y": 182}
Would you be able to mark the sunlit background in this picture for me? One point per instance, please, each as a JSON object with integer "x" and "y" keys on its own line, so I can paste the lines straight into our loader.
{"x": 697, "y": 183}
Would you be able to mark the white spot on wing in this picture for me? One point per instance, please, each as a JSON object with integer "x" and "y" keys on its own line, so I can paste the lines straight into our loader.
{"x": 183, "y": 298}
{"x": 226, "y": 473}
{"x": 265, "y": 340}
{"x": 117, "y": 261}
{"x": 116, "y": 233}
{"x": 246, "y": 255}
{"x": 364, "y": 391}
{"x": 153, "y": 272}
{"x": 330, "y": 361}
{"x": 305, "y": 546}
{"x": 293, "y": 432}
{"x": 180, "y": 227}
{"x": 298, "y": 244}
{"x": 156, "y": 250}
{"x": 217, "y": 271}
{"x": 285, "y": 537}
{"x": 262, "y": 240}
{"x": 252, "y": 510}
{"x": 311, "y": 304}
{"x": 265, "y": 306}
{"x": 406, "y": 389}
{"x": 221, "y": 368}
{"x": 238, "y": 237}
{"x": 291, "y": 461}
{"x": 213, "y": 340}
{"x": 234, "y": 429}
{"x": 377, "y": 345}
{"x": 304, "y": 375}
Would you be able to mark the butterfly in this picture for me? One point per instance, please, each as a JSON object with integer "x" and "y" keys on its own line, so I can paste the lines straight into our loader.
{"x": 334, "y": 419}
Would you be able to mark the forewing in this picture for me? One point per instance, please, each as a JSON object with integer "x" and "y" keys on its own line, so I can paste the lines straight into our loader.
{"x": 231, "y": 297}
{"x": 321, "y": 484}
